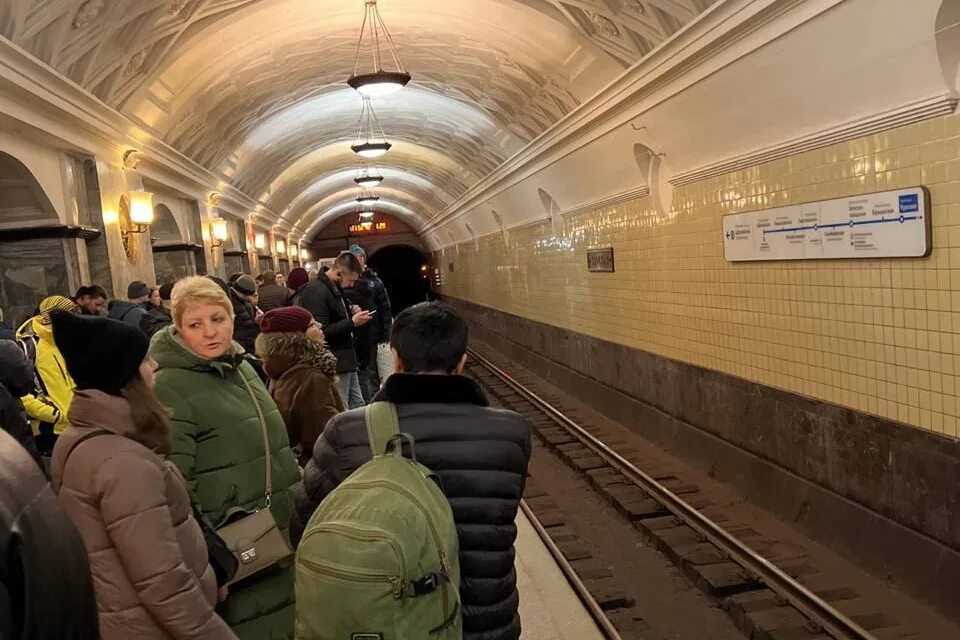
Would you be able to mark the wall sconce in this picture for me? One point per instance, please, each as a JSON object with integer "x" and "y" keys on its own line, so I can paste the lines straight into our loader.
{"x": 293, "y": 252}
{"x": 136, "y": 216}
{"x": 218, "y": 232}
{"x": 260, "y": 240}
{"x": 281, "y": 247}
{"x": 304, "y": 254}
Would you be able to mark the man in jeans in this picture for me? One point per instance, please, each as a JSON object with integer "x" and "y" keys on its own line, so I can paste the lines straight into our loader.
{"x": 480, "y": 455}
{"x": 324, "y": 299}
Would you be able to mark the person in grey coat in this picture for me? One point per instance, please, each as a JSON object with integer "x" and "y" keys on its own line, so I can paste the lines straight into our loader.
{"x": 479, "y": 453}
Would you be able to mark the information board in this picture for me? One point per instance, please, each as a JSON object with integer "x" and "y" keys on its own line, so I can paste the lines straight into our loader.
{"x": 890, "y": 224}
{"x": 600, "y": 260}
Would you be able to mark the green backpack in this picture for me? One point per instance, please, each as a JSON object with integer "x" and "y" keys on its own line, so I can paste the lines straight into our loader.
{"x": 379, "y": 558}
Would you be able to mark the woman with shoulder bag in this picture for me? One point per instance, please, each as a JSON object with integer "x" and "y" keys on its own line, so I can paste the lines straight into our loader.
{"x": 147, "y": 554}
{"x": 230, "y": 442}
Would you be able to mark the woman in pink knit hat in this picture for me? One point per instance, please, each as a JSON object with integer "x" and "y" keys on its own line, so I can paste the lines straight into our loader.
{"x": 303, "y": 374}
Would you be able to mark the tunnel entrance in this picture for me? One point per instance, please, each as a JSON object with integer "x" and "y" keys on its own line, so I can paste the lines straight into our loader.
{"x": 399, "y": 266}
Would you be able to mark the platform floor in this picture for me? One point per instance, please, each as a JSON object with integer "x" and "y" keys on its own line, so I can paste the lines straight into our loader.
{"x": 549, "y": 607}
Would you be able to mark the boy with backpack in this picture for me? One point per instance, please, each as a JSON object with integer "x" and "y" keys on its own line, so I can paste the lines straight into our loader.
{"x": 479, "y": 458}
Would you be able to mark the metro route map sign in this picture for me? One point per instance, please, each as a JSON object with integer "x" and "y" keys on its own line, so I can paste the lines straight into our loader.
{"x": 890, "y": 224}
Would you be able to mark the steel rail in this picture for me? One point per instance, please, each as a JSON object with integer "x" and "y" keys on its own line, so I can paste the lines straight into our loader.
{"x": 593, "y": 608}
{"x": 825, "y": 617}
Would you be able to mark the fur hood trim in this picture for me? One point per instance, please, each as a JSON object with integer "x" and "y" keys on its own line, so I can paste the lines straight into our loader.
{"x": 296, "y": 349}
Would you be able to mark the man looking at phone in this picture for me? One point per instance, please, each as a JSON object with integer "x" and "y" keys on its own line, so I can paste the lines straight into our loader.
{"x": 324, "y": 299}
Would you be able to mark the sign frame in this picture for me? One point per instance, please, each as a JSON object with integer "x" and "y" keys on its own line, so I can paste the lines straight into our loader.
{"x": 601, "y": 260}
{"x": 730, "y": 233}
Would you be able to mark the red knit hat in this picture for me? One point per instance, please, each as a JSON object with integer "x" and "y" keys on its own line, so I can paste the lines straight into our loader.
{"x": 286, "y": 320}
{"x": 297, "y": 278}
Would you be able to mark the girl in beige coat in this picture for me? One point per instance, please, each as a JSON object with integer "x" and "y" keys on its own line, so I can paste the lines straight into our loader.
{"x": 147, "y": 554}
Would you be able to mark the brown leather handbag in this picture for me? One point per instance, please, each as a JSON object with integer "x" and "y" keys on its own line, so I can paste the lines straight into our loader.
{"x": 253, "y": 536}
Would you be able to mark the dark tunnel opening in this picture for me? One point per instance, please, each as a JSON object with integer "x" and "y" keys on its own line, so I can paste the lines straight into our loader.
{"x": 400, "y": 268}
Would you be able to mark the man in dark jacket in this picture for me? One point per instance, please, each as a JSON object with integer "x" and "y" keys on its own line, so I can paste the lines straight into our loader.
{"x": 158, "y": 316}
{"x": 371, "y": 287}
{"x": 324, "y": 299}
{"x": 16, "y": 380}
{"x": 479, "y": 453}
{"x": 297, "y": 281}
{"x": 133, "y": 309}
{"x": 243, "y": 293}
{"x": 272, "y": 295}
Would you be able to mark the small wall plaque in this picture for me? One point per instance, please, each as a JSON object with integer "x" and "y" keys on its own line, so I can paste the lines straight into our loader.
{"x": 600, "y": 260}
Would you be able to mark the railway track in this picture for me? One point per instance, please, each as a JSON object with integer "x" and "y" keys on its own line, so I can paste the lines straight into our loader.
{"x": 765, "y": 600}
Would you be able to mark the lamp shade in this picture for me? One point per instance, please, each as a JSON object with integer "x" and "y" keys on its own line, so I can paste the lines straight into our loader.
{"x": 366, "y": 215}
{"x": 368, "y": 181}
{"x": 304, "y": 254}
{"x": 281, "y": 247}
{"x": 293, "y": 251}
{"x": 367, "y": 198}
{"x": 259, "y": 240}
{"x": 219, "y": 230}
{"x": 371, "y": 149}
{"x": 380, "y": 83}
{"x": 141, "y": 207}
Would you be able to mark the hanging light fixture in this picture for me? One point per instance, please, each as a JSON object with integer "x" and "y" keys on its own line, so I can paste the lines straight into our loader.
{"x": 370, "y": 142}
{"x": 378, "y": 82}
{"x": 367, "y": 198}
{"x": 366, "y": 215}
{"x": 368, "y": 178}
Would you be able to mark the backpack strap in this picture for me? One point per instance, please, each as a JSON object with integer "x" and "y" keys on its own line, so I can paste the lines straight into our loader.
{"x": 80, "y": 440}
{"x": 382, "y": 425}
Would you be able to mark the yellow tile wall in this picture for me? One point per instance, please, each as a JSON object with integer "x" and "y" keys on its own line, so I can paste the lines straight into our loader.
{"x": 881, "y": 336}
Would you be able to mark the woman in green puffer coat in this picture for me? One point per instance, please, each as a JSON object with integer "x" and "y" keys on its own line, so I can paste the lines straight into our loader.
{"x": 218, "y": 442}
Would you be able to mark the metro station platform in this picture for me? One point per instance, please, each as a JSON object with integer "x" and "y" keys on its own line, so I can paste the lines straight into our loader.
{"x": 549, "y": 607}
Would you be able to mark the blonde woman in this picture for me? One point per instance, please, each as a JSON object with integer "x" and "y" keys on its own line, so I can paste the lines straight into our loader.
{"x": 148, "y": 558}
{"x": 220, "y": 413}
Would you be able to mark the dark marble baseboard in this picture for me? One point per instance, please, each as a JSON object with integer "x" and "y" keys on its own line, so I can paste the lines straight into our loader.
{"x": 882, "y": 493}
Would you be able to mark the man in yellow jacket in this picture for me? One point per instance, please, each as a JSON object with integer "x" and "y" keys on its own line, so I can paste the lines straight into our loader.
{"x": 48, "y": 405}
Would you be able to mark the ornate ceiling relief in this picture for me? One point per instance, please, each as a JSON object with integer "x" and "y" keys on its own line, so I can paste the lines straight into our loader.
{"x": 254, "y": 89}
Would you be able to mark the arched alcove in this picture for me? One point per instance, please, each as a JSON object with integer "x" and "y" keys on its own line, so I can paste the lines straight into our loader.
{"x": 173, "y": 257}
{"x": 32, "y": 265}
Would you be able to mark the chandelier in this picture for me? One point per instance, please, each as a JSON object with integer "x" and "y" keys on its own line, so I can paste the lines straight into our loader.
{"x": 367, "y": 178}
{"x": 378, "y": 82}
{"x": 371, "y": 141}
{"x": 367, "y": 198}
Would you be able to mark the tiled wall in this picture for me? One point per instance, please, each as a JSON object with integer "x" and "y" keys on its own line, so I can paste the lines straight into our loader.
{"x": 881, "y": 336}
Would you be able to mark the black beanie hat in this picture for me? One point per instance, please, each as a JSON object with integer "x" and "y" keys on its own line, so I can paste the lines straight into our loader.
{"x": 101, "y": 353}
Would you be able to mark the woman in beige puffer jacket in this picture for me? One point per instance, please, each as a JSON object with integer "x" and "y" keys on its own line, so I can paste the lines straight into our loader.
{"x": 147, "y": 553}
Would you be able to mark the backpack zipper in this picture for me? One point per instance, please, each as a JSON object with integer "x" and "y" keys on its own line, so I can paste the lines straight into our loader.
{"x": 430, "y": 524}
{"x": 345, "y": 573}
{"x": 356, "y": 534}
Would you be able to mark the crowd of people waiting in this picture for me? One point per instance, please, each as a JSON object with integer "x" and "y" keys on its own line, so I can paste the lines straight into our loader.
{"x": 192, "y": 431}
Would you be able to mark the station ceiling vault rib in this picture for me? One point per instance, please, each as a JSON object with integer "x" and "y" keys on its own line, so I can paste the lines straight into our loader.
{"x": 255, "y": 89}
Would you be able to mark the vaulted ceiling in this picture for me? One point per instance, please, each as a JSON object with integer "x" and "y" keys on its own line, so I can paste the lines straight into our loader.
{"x": 254, "y": 89}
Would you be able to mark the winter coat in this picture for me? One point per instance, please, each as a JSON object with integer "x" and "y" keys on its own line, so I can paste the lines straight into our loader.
{"x": 296, "y": 297}
{"x": 155, "y": 319}
{"x": 325, "y": 301}
{"x": 49, "y": 405}
{"x": 217, "y": 442}
{"x": 130, "y": 312}
{"x": 480, "y": 455}
{"x": 379, "y": 298}
{"x": 147, "y": 554}
{"x": 303, "y": 377}
{"x": 6, "y": 333}
{"x": 273, "y": 296}
{"x": 245, "y": 327}
{"x": 16, "y": 380}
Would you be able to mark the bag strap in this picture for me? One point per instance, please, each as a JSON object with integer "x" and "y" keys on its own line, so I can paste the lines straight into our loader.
{"x": 268, "y": 480}
{"x": 80, "y": 440}
{"x": 382, "y": 425}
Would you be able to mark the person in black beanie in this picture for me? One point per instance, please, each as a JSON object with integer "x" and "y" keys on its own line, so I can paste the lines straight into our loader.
{"x": 131, "y": 506}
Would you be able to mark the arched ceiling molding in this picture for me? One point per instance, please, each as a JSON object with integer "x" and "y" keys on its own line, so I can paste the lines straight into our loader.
{"x": 440, "y": 170}
{"x": 421, "y": 189}
{"x": 348, "y": 196}
{"x": 465, "y": 133}
{"x": 340, "y": 210}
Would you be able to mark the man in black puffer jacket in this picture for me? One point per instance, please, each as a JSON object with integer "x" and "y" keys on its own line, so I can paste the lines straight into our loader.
{"x": 479, "y": 453}
{"x": 16, "y": 380}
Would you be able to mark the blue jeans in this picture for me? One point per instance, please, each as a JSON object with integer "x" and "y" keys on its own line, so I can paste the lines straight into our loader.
{"x": 349, "y": 385}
